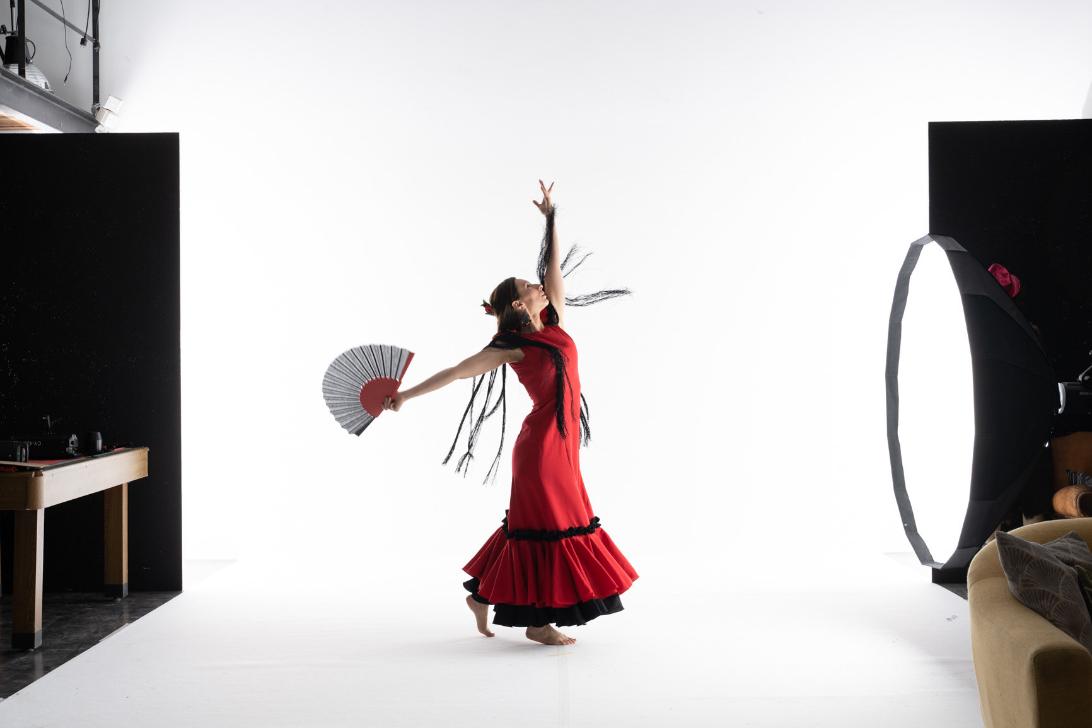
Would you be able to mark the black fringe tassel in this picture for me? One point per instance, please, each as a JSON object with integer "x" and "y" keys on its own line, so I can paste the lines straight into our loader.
{"x": 511, "y": 340}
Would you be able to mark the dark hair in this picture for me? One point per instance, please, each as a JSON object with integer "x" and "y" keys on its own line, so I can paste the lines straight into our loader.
{"x": 501, "y": 299}
{"x": 510, "y": 322}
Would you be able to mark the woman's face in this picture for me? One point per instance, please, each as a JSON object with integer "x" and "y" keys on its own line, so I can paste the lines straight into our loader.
{"x": 532, "y": 295}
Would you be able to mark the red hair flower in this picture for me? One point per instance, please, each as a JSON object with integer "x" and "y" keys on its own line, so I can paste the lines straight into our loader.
{"x": 1006, "y": 280}
{"x": 488, "y": 308}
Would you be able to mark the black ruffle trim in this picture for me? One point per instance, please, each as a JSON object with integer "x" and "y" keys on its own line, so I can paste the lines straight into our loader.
{"x": 547, "y": 535}
{"x": 524, "y": 615}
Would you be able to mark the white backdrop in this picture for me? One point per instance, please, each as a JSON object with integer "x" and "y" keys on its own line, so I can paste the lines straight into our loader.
{"x": 363, "y": 172}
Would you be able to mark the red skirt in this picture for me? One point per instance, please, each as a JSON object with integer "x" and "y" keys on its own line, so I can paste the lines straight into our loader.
{"x": 535, "y": 577}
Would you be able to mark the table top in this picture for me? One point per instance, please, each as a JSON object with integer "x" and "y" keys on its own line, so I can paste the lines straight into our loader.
{"x": 42, "y": 483}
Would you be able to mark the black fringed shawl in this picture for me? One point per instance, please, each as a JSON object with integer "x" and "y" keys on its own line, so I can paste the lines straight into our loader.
{"x": 511, "y": 340}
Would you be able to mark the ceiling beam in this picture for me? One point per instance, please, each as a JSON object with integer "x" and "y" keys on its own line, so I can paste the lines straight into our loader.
{"x": 42, "y": 106}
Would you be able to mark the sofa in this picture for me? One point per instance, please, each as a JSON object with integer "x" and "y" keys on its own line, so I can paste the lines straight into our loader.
{"x": 1030, "y": 673}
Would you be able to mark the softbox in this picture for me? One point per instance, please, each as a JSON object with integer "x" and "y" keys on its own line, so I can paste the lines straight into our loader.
{"x": 1015, "y": 396}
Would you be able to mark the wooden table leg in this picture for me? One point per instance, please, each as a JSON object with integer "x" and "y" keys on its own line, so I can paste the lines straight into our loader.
{"x": 27, "y": 580}
{"x": 116, "y": 523}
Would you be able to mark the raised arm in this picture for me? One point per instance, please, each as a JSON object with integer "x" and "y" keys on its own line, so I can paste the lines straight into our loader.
{"x": 480, "y": 363}
{"x": 552, "y": 278}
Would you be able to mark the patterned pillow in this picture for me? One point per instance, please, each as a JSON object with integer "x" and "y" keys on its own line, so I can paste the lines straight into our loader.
{"x": 1041, "y": 581}
{"x": 1071, "y": 550}
{"x": 1084, "y": 580}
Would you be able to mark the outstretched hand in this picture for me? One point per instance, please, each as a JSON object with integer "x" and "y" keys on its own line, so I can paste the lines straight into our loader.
{"x": 546, "y": 204}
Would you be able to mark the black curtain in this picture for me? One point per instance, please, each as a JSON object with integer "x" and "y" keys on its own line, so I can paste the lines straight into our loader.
{"x": 1019, "y": 193}
{"x": 89, "y": 333}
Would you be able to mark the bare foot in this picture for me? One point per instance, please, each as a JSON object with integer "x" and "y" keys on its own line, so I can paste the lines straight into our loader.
{"x": 481, "y": 614}
{"x": 547, "y": 635}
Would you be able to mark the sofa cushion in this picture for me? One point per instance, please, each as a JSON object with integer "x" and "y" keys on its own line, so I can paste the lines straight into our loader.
{"x": 1039, "y": 577}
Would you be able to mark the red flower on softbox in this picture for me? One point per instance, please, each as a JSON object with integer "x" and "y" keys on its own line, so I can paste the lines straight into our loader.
{"x": 1006, "y": 280}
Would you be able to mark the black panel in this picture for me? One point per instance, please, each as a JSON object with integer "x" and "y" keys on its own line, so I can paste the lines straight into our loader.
{"x": 1019, "y": 193}
{"x": 89, "y": 333}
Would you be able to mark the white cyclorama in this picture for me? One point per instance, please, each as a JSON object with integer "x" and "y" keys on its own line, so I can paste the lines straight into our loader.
{"x": 363, "y": 172}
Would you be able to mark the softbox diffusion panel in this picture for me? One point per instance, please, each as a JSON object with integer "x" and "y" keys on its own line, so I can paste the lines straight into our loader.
{"x": 1015, "y": 400}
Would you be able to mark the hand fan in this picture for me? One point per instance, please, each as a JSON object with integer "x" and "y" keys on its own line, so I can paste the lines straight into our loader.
{"x": 358, "y": 381}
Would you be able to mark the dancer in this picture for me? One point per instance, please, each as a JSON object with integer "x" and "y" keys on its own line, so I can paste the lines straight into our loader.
{"x": 550, "y": 561}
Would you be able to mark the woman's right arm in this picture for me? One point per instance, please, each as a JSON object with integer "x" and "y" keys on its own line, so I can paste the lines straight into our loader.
{"x": 484, "y": 361}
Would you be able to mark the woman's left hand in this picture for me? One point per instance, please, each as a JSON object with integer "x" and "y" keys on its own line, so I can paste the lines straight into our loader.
{"x": 546, "y": 204}
{"x": 394, "y": 401}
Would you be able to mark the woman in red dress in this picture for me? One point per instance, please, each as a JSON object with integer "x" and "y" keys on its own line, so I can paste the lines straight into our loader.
{"x": 550, "y": 561}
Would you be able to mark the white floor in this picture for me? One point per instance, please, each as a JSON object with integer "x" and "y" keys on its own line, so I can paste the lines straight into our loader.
{"x": 252, "y": 644}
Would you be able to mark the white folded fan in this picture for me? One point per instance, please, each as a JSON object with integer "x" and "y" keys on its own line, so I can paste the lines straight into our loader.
{"x": 359, "y": 380}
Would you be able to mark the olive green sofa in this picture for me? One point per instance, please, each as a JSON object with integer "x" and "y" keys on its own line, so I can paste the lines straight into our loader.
{"x": 1030, "y": 673}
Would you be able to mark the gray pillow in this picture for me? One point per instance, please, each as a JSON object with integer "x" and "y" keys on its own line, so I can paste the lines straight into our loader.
{"x": 1043, "y": 582}
{"x": 1084, "y": 581}
{"x": 1071, "y": 550}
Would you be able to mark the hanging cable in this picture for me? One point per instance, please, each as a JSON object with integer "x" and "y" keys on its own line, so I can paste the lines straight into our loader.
{"x": 64, "y": 27}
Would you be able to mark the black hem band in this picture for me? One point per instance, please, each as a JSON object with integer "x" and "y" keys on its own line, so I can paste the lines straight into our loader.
{"x": 525, "y": 615}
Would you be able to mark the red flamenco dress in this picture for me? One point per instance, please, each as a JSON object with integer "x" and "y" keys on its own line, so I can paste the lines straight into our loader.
{"x": 550, "y": 560}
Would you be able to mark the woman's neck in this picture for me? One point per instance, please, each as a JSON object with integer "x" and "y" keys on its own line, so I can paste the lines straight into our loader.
{"x": 536, "y": 324}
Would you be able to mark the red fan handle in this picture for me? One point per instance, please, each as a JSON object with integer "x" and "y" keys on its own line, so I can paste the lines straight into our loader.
{"x": 374, "y": 392}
